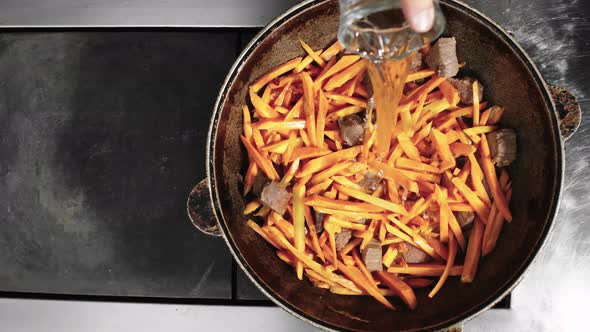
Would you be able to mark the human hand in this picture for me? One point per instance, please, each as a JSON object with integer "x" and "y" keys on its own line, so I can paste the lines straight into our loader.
{"x": 419, "y": 14}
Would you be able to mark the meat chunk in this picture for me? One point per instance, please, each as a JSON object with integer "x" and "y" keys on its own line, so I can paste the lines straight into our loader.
{"x": 318, "y": 219}
{"x": 465, "y": 88}
{"x": 372, "y": 256}
{"x": 415, "y": 62}
{"x": 371, "y": 181}
{"x": 465, "y": 218}
{"x": 275, "y": 197}
{"x": 502, "y": 146}
{"x": 414, "y": 255}
{"x": 342, "y": 238}
{"x": 442, "y": 58}
{"x": 352, "y": 129}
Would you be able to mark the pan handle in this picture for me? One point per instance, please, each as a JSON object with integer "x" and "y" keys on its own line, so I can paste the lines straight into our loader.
{"x": 568, "y": 109}
{"x": 200, "y": 210}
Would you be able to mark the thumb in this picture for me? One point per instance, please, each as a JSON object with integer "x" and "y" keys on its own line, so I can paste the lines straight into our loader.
{"x": 419, "y": 14}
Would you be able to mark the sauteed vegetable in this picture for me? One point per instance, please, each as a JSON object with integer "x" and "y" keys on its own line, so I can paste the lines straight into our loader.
{"x": 356, "y": 222}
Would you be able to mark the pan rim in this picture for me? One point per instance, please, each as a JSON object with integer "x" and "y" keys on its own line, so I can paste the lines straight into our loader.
{"x": 508, "y": 285}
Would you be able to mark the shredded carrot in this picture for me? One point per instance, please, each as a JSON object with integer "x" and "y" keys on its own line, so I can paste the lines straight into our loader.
{"x": 404, "y": 191}
{"x": 274, "y": 73}
{"x": 473, "y": 252}
{"x": 450, "y": 262}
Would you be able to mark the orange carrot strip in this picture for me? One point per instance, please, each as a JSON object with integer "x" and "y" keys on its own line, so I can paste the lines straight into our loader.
{"x": 320, "y": 187}
{"x": 290, "y": 173}
{"x": 312, "y": 230}
{"x": 320, "y": 201}
{"x": 309, "y": 108}
{"x": 361, "y": 281}
{"x": 261, "y": 108}
{"x": 314, "y": 55}
{"x": 438, "y": 246}
{"x": 405, "y": 292}
{"x": 493, "y": 229}
{"x": 390, "y": 255}
{"x": 451, "y": 94}
{"x": 252, "y": 206}
{"x": 299, "y": 224}
{"x": 262, "y": 162}
{"x": 346, "y": 224}
{"x": 473, "y": 252}
{"x": 479, "y": 130}
{"x": 478, "y": 206}
{"x": 361, "y": 266}
{"x": 396, "y": 208}
{"x": 462, "y": 149}
{"x": 492, "y": 179}
{"x": 347, "y": 182}
{"x": 420, "y": 74}
{"x": 460, "y": 207}
{"x": 331, "y": 51}
{"x": 450, "y": 262}
{"x": 322, "y": 114}
{"x": 343, "y": 112}
{"x": 326, "y": 161}
{"x": 274, "y": 73}
{"x": 350, "y": 215}
{"x": 417, "y": 176}
{"x": 408, "y": 147}
{"x": 290, "y": 146}
{"x": 249, "y": 177}
{"x": 410, "y": 164}
{"x": 327, "y": 173}
{"x": 424, "y": 89}
{"x": 477, "y": 181}
{"x": 308, "y": 153}
{"x": 351, "y": 245}
{"x": 279, "y": 125}
{"x": 247, "y": 122}
{"x": 344, "y": 76}
{"x": 395, "y": 175}
{"x": 426, "y": 270}
{"x": 346, "y": 99}
{"x": 442, "y": 146}
{"x": 260, "y": 232}
{"x": 344, "y": 62}
{"x": 455, "y": 227}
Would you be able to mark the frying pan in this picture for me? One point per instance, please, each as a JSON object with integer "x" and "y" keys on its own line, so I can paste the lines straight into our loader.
{"x": 536, "y": 110}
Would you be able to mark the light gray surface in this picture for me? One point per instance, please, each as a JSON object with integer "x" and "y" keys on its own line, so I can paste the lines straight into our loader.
{"x": 201, "y": 13}
{"x": 552, "y": 296}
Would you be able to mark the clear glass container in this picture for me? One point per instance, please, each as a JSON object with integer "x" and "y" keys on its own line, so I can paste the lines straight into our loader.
{"x": 377, "y": 29}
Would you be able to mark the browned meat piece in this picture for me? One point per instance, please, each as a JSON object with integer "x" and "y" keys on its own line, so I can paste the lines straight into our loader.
{"x": 415, "y": 62}
{"x": 258, "y": 184}
{"x": 465, "y": 88}
{"x": 352, "y": 129}
{"x": 372, "y": 256}
{"x": 318, "y": 218}
{"x": 414, "y": 255}
{"x": 342, "y": 238}
{"x": 442, "y": 58}
{"x": 502, "y": 146}
{"x": 275, "y": 197}
{"x": 371, "y": 181}
{"x": 465, "y": 218}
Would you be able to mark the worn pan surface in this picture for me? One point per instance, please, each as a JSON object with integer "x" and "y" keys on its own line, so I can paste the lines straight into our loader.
{"x": 510, "y": 79}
